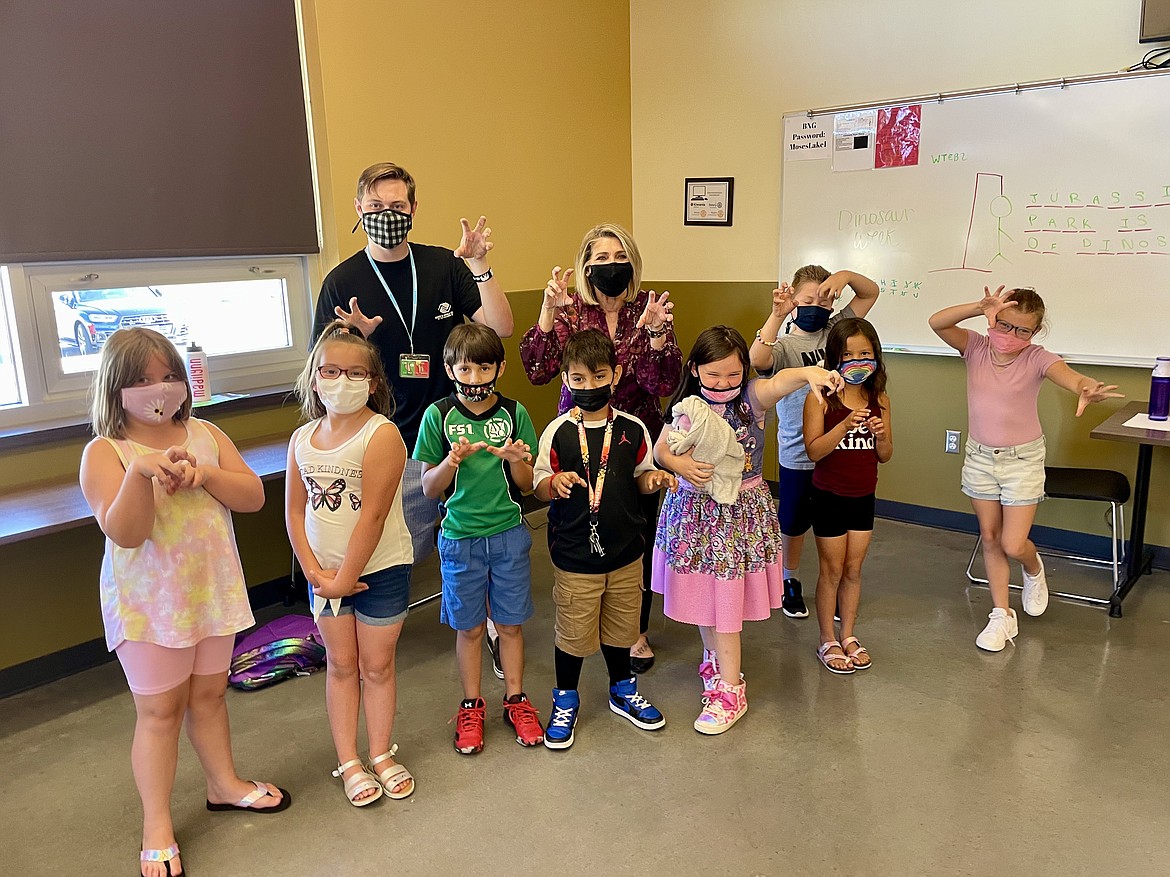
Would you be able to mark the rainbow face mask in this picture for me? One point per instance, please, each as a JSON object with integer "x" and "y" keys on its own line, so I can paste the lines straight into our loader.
{"x": 857, "y": 371}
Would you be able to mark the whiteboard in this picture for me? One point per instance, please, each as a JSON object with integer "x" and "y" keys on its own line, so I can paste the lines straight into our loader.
{"x": 1065, "y": 189}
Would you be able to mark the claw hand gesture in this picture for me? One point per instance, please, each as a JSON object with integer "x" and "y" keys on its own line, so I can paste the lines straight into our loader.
{"x": 476, "y": 242}
{"x": 563, "y": 483}
{"x": 556, "y": 291}
{"x": 783, "y": 301}
{"x": 511, "y": 452}
{"x": 1098, "y": 391}
{"x": 463, "y": 449}
{"x": 658, "y": 479}
{"x": 993, "y": 303}
{"x": 354, "y": 317}
{"x": 657, "y": 313}
{"x": 823, "y": 383}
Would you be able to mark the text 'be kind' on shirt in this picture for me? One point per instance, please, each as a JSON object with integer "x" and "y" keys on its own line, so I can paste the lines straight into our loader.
{"x": 620, "y": 518}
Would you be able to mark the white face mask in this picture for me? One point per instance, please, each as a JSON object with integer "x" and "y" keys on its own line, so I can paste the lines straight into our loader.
{"x": 340, "y": 395}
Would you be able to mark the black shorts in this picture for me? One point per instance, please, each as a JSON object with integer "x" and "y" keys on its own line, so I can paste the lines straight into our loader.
{"x": 834, "y": 515}
{"x": 795, "y": 505}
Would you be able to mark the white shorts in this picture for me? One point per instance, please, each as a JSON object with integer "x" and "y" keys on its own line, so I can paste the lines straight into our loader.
{"x": 1009, "y": 476}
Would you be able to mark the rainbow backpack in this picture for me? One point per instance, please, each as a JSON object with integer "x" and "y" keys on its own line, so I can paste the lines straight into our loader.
{"x": 289, "y": 646}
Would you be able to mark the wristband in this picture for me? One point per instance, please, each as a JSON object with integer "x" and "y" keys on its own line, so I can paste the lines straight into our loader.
{"x": 657, "y": 333}
{"x": 482, "y": 278}
{"x": 766, "y": 343}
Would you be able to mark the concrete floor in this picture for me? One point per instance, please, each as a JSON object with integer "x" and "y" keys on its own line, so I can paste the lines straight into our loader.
{"x": 1047, "y": 758}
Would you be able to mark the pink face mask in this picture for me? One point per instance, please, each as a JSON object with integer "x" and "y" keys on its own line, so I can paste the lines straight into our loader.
{"x": 154, "y": 403}
{"x": 1007, "y": 342}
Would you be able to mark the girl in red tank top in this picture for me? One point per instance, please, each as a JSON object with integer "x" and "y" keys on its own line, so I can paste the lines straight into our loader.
{"x": 846, "y": 436}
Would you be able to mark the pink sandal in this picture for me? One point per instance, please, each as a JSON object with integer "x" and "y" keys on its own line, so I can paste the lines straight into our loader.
{"x": 825, "y": 657}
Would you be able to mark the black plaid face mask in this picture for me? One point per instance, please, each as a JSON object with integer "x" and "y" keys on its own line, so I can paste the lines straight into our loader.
{"x": 386, "y": 228}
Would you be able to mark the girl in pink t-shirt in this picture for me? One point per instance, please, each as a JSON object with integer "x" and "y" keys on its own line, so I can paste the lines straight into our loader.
{"x": 1003, "y": 471}
{"x": 162, "y": 485}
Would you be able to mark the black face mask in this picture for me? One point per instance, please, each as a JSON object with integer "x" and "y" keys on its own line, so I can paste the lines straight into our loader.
{"x": 475, "y": 392}
{"x": 592, "y": 400}
{"x": 611, "y": 278}
{"x": 811, "y": 318}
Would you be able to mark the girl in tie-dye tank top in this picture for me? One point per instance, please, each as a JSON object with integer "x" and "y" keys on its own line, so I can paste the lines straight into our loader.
{"x": 162, "y": 486}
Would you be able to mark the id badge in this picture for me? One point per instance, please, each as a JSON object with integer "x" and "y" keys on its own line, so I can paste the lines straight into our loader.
{"x": 414, "y": 365}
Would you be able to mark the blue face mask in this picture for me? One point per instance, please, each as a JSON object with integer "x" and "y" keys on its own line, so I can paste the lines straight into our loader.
{"x": 811, "y": 318}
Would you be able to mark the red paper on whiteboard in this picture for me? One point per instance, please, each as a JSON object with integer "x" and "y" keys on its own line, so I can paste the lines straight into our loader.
{"x": 898, "y": 130}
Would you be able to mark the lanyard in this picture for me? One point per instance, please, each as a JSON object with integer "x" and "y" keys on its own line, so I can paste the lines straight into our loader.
{"x": 595, "y": 492}
{"x": 414, "y": 283}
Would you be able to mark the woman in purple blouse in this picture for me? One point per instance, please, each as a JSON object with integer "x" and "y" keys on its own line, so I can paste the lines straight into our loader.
{"x": 608, "y": 297}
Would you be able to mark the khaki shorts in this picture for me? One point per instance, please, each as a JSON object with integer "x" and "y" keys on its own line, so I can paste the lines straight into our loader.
{"x": 596, "y": 608}
{"x": 1009, "y": 476}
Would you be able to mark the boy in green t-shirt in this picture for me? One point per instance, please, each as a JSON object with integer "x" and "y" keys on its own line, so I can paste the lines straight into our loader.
{"x": 476, "y": 450}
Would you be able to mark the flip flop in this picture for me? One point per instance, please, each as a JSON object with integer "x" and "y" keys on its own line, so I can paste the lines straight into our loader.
{"x": 246, "y": 802}
{"x": 822, "y": 654}
{"x": 163, "y": 856}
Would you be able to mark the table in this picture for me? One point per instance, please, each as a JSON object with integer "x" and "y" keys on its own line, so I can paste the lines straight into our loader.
{"x": 1138, "y": 558}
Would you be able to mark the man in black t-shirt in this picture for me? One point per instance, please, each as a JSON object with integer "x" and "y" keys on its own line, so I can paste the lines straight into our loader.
{"x": 405, "y": 298}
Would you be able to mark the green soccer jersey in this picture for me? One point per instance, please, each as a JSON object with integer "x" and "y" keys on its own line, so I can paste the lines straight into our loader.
{"x": 483, "y": 499}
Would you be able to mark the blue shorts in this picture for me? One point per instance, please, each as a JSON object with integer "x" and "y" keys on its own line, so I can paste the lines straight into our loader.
{"x": 795, "y": 505}
{"x": 385, "y": 603}
{"x": 486, "y": 570}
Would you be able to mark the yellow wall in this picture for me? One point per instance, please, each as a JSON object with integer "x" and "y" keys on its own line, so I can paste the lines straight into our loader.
{"x": 523, "y": 115}
{"x": 710, "y": 83}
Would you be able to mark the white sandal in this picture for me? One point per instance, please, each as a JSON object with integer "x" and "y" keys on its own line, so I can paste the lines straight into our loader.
{"x": 362, "y": 781}
{"x": 394, "y": 775}
{"x": 822, "y": 654}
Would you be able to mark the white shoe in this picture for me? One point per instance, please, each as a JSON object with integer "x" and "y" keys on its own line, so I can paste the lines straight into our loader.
{"x": 1035, "y": 591}
{"x": 999, "y": 630}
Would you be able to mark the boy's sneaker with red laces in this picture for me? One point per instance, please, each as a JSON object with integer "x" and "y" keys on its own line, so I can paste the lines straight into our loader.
{"x": 521, "y": 716}
{"x": 469, "y": 726}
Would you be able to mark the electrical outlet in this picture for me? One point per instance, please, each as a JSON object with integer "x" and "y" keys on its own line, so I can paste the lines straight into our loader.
{"x": 952, "y": 445}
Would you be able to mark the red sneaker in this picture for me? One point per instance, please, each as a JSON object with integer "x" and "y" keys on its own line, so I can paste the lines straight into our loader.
{"x": 469, "y": 728}
{"x": 522, "y": 717}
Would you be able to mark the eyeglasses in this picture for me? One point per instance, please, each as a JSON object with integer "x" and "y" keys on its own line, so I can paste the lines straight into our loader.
{"x": 1022, "y": 332}
{"x": 329, "y": 372}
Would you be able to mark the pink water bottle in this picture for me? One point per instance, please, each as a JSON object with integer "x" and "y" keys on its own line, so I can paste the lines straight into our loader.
{"x": 1160, "y": 390}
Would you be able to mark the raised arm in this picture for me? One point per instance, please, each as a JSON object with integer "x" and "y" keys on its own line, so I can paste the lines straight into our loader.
{"x": 473, "y": 248}
{"x": 1087, "y": 389}
{"x": 760, "y": 352}
{"x": 541, "y": 346}
{"x": 771, "y": 390}
{"x": 865, "y": 291}
{"x": 945, "y": 323}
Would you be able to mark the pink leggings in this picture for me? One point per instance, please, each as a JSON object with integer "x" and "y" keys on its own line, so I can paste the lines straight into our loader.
{"x": 152, "y": 669}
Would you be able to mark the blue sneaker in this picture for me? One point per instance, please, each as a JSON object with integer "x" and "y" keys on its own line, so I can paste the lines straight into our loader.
{"x": 559, "y": 732}
{"x": 627, "y": 703}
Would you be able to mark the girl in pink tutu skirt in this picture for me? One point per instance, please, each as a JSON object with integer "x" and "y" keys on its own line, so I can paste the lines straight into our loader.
{"x": 717, "y": 552}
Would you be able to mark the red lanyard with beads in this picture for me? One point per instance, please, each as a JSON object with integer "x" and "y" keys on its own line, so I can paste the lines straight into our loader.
{"x": 595, "y": 492}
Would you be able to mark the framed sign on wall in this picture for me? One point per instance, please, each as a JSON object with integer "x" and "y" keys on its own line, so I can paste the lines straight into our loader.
{"x": 708, "y": 200}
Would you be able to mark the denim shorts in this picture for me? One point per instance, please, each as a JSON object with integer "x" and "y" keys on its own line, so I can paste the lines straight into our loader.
{"x": 386, "y": 601}
{"x": 1009, "y": 476}
{"x": 479, "y": 571}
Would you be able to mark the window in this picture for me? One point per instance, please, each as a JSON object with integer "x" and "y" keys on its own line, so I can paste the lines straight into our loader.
{"x": 251, "y": 316}
{"x": 11, "y": 386}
